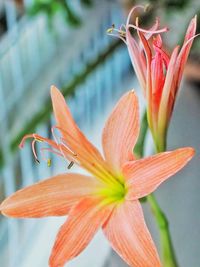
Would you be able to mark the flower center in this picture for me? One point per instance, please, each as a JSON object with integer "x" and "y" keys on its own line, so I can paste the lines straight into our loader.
{"x": 115, "y": 192}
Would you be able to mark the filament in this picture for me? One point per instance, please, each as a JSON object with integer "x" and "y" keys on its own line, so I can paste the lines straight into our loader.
{"x": 165, "y": 29}
{"x": 34, "y": 150}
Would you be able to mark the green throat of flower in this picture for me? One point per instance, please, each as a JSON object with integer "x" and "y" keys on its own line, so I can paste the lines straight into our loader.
{"x": 115, "y": 192}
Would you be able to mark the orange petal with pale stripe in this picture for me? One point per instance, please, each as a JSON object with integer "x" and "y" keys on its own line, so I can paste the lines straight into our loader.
{"x": 52, "y": 197}
{"x": 168, "y": 92}
{"x": 76, "y": 233}
{"x": 137, "y": 59}
{"x": 145, "y": 175}
{"x": 128, "y": 234}
{"x": 84, "y": 151}
{"x": 121, "y": 131}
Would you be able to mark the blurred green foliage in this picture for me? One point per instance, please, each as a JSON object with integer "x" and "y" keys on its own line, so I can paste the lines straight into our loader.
{"x": 63, "y": 7}
{"x": 171, "y": 4}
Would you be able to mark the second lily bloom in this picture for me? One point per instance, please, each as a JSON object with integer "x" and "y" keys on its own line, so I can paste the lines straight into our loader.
{"x": 159, "y": 74}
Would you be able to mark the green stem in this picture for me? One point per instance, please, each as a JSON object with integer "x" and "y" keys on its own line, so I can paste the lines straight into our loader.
{"x": 167, "y": 250}
{"x": 139, "y": 147}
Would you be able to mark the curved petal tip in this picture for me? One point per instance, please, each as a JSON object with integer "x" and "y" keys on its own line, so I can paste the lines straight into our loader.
{"x": 190, "y": 151}
{"x": 54, "y": 90}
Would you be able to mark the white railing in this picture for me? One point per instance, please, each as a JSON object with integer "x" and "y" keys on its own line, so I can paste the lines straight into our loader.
{"x": 32, "y": 58}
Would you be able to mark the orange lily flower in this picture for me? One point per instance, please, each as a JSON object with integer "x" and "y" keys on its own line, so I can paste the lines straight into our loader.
{"x": 159, "y": 74}
{"x": 109, "y": 198}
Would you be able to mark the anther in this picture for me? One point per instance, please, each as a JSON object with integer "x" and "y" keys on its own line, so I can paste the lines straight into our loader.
{"x": 34, "y": 151}
{"x": 37, "y": 160}
{"x": 49, "y": 162}
{"x": 70, "y": 165}
{"x": 110, "y": 30}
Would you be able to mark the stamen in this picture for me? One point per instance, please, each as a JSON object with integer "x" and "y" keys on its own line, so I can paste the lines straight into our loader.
{"x": 109, "y": 30}
{"x": 131, "y": 12}
{"x": 74, "y": 155}
{"x": 70, "y": 165}
{"x": 67, "y": 147}
{"x": 117, "y": 33}
{"x": 150, "y": 31}
{"x": 118, "y": 36}
{"x": 61, "y": 149}
{"x": 34, "y": 151}
{"x": 120, "y": 31}
{"x": 53, "y": 133}
{"x": 42, "y": 150}
{"x": 37, "y": 138}
{"x": 136, "y": 27}
{"x": 60, "y": 142}
{"x": 63, "y": 154}
{"x": 21, "y": 145}
{"x": 49, "y": 162}
{"x": 153, "y": 28}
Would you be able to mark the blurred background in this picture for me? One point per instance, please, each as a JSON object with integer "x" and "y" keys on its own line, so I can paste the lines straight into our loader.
{"x": 45, "y": 42}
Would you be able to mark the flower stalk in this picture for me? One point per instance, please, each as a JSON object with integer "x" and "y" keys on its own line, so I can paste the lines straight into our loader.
{"x": 167, "y": 250}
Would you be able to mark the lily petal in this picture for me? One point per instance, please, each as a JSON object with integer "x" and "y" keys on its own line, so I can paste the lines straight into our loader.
{"x": 168, "y": 90}
{"x": 84, "y": 151}
{"x": 121, "y": 131}
{"x": 148, "y": 55}
{"x": 158, "y": 79}
{"x": 52, "y": 197}
{"x": 75, "y": 234}
{"x": 137, "y": 59}
{"x": 184, "y": 52}
{"x": 128, "y": 234}
{"x": 145, "y": 175}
